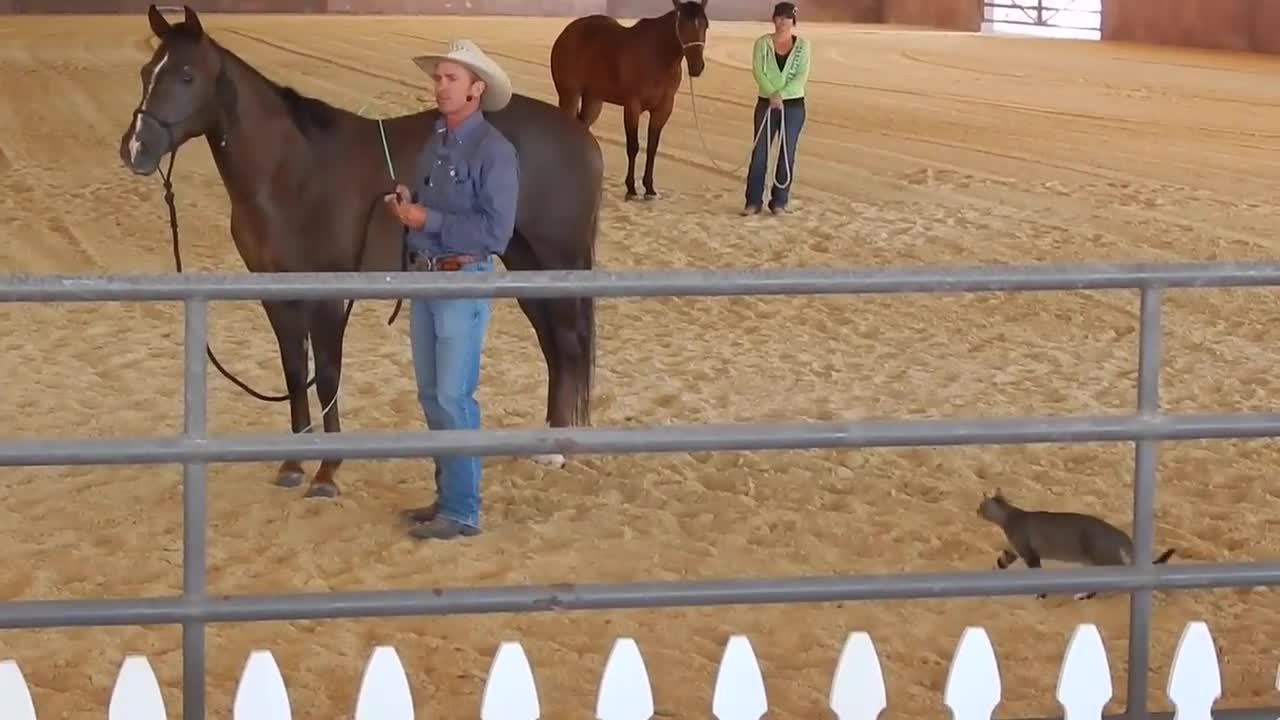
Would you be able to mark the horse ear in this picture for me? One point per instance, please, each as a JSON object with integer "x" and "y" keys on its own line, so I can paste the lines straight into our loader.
{"x": 159, "y": 25}
{"x": 193, "y": 20}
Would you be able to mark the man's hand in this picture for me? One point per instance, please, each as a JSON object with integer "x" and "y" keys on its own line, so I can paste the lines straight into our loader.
{"x": 775, "y": 101}
{"x": 410, "y": 214}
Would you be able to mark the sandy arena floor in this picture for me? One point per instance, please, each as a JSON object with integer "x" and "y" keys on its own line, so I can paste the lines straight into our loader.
{"x": 919, "y": 148}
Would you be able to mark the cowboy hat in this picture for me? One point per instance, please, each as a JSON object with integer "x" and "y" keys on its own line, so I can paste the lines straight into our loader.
{"x": 497, "y": 91}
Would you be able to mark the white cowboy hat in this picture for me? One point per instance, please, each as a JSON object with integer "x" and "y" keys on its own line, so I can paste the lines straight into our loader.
{"x": 497, "y": 91}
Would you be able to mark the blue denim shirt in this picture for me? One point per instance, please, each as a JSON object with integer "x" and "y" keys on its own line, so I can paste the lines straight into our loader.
{"x": 469, "y": 181}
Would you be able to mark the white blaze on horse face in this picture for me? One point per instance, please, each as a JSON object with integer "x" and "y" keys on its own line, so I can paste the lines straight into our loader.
{"x": 134, "y": 144}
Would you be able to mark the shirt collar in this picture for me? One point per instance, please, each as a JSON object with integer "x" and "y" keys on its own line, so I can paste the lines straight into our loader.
{"x": 467, "y": 127}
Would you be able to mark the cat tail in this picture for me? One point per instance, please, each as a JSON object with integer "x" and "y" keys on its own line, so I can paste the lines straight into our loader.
{"x": 1164, "y": 557}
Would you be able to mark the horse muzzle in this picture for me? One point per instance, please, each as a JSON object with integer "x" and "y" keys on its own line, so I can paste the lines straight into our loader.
{"x": 693, "y": 57}
{"x": 144, "y": 143}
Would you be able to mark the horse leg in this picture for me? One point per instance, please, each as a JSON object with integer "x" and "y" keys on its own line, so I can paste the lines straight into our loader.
{"x": 328, "y": 326}
{"x": 535, "y": 309}
{"x": 657, "y": 119}
{"x": 289, "y": 321}
{"x": 590, "y": 111}
{"x": 631, "y": 123}
{"x": 569, "y": 103}
{"x": 556, "y": 324}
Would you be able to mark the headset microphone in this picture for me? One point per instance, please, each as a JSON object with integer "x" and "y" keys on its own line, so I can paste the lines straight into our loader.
{"x": 470, "y": 97}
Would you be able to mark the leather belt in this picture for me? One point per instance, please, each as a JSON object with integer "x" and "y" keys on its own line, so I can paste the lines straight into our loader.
{"x": 441, "y": 263}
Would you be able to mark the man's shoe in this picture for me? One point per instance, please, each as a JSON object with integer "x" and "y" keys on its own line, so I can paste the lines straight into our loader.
{"x": 442, "y": 528}
{"x": 424, "y": 514}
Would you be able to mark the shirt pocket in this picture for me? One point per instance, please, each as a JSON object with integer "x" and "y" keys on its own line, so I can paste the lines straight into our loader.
{"x": 451, "y": 183}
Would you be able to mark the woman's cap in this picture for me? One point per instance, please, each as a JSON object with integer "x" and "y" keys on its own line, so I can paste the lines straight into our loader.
{"x": 785, "y": 9}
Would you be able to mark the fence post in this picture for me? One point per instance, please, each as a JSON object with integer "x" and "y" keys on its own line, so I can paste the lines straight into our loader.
{"x": 1144, "y": 490}
{"x": 194, "y": 511}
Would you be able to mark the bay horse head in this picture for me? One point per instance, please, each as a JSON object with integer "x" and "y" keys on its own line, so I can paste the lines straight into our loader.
{"x": 691, "y": 30}
{"x": 182, "y": 88}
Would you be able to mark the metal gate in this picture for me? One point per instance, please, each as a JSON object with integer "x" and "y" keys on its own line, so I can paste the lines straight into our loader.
{"x": 1059, "y": 18}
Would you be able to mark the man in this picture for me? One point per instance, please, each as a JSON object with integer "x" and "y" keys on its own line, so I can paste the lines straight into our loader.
{"x": 461, "y": 212}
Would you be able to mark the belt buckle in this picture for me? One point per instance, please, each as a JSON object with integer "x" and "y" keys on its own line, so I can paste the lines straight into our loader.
{"x": 421, "y": 262}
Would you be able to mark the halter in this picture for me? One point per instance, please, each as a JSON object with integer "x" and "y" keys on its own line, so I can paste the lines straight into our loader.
{"x": 685, "y": 45}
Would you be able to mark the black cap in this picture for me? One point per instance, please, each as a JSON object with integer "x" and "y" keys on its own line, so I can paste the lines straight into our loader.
{"x": 785, "y": 9}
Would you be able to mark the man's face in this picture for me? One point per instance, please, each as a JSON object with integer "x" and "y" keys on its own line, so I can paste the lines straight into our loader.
{"x": 453, "y": 83}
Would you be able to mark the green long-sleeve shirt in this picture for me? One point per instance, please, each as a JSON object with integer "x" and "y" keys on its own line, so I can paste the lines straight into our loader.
{"x": 789, "y": 81}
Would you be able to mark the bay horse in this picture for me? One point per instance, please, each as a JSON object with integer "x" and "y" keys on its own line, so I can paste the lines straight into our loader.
{"x": 597, "y": 60}
{"x": 305, "y": 180}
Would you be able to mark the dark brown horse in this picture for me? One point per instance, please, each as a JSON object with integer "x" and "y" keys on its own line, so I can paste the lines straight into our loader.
{"x": 597, "y": 60}
{"x": 305, "y": 181}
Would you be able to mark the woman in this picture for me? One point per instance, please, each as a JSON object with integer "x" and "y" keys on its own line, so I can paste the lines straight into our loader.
{"x": 780, "y": 64}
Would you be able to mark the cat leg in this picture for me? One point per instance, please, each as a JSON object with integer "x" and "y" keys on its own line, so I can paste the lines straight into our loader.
{"x": 1006, "y": 558}
{"x": 1032, "y": 559}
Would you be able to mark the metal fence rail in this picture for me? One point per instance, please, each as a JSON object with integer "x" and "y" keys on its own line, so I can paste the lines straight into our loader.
{"x": 194, "y": 449}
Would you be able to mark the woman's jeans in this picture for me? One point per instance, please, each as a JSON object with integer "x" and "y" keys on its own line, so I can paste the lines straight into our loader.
{"x": 793, "y": 112}
{"x": 446, "y": 339}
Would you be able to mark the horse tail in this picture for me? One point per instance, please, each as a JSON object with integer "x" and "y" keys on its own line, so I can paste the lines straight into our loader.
{"x": 584, "y": 373}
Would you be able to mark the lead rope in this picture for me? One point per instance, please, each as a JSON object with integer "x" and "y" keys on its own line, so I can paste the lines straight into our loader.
{"x": 766, "y": 126}
{"x": 755, "y": 141}
{"x": 177, "y": 260}
{"x": 386, "y": 151}
{"x": 166, "y": 178}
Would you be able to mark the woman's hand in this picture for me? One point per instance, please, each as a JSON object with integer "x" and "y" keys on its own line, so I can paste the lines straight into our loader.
{"x": 775, "y": 101}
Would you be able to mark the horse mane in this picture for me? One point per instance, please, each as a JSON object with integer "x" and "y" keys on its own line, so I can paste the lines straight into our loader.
{"x": 691, "y": 9}
{"x": 310, "y": 116}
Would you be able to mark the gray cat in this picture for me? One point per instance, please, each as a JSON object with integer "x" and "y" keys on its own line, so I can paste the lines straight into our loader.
{"x": 1036, "y": 535}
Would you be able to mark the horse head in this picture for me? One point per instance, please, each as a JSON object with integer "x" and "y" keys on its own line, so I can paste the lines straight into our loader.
{"x": 181, "y": 86}
{"x": 691, "y": 30}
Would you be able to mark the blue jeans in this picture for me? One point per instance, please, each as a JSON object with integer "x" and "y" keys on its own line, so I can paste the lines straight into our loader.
{"x": 781, "y": 191}
{"x": 446, "y": 337}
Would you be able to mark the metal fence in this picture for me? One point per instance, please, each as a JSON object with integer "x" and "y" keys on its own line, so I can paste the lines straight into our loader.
{"x": 194, "y": 448}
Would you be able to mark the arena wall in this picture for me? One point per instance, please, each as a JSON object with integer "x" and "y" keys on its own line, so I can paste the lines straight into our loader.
{"x": 140, "y": 6}
{"x": 553, "y": 8}
{"x": 963, "y": 15}
{"x": 863, "y": 11}
{"x": 859, "y": 11}
{"x": 1248, "y": 25}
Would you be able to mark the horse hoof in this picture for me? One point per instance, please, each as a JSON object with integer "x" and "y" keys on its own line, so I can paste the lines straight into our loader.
{"x": 322, "y": 490}
{"x": 651, "y": 195}
{"x": 631, "y": 195}
{"x": 555, "y": 460}
{"x": 290, "y": 478}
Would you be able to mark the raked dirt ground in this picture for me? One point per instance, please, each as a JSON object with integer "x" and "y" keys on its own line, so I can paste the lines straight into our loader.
{"x": 919, "y": 148}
